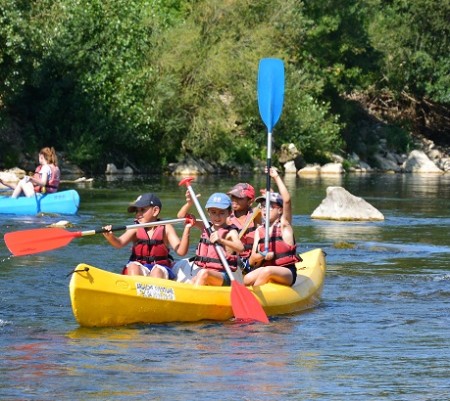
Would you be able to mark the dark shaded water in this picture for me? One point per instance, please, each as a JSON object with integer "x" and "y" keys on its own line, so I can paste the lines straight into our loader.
{"x": 381, "y": 332}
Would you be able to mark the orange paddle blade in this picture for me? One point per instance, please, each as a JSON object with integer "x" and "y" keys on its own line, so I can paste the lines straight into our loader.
{"x": 28, "y": 242}
{"x": 245, "y": 305}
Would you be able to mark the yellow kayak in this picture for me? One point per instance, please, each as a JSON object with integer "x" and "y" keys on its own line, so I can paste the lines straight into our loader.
{"x": 101, "y": 298}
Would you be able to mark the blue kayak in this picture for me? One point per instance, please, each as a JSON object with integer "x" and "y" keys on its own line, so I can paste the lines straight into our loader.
{"x": 64, "y": 202}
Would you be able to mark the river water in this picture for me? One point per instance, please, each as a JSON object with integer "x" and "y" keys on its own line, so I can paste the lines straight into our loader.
{"x": 380, "y": 333}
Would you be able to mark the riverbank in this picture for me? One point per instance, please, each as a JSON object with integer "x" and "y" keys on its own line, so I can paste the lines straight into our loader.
{"x": 425, "y": 158}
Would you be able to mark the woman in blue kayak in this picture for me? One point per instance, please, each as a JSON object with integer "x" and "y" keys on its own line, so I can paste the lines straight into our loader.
{"x": 46, "y": 177}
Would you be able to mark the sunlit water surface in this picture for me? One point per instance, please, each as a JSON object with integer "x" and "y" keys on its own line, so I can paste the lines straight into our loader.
{"x": 381, "y": 331}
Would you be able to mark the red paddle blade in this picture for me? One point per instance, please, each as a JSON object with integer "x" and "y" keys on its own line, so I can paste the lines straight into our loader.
{"x": 38, "y": 240}
{"x": 245, "y": 305}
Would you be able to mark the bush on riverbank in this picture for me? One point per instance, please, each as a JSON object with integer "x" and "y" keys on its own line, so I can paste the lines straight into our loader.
{"x": 147, "y": 83}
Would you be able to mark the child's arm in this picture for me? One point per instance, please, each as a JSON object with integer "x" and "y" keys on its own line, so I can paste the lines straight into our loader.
{"x": 184, "y": 211}
{"x": 181, "y": 247}
{"x": 186, "y": 207}
{"x": 287, "y": 205}
{"x": 231, "y": 241}
{"x": 119, "y": 242}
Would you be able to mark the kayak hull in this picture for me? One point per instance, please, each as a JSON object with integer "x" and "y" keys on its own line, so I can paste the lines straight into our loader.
{"x": 64, "y": 202}
{"x": 102, "y": 299}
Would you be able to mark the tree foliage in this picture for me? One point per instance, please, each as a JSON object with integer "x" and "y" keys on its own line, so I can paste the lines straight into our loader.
{"x": 151, "y": 81}
{"x": 414, "y": 38}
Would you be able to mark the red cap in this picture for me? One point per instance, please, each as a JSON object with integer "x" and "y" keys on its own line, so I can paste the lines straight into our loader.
{"x": 243, "y": 190}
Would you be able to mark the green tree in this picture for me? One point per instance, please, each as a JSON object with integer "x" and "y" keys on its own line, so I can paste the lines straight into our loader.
{"x": 91, "y": 89}
{"x": 13, "y": 71}
{"x": 216, "y": 64}
{"x": 414, "y": 37}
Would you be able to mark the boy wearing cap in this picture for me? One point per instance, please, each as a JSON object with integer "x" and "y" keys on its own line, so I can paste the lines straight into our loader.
{"x": 150, "y": 252}
{"x": 242, "y": 197}
{"x": 278, "y": 264}
{"x": 211, "y": 270}
{"x": 244, "y": 217}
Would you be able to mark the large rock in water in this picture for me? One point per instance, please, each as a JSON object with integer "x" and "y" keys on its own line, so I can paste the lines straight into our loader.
{"x": 342, "y": 205}
{"x": 418, "y": 162}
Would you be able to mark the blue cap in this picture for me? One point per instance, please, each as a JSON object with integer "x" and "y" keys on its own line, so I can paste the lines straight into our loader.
{"x": 218, "y": 200}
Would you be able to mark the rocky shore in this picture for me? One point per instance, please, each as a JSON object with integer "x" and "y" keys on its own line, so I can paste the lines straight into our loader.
{"x": 425, "y": 158}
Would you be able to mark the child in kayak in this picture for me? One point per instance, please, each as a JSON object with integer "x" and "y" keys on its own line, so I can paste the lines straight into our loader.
{"x": 150, "y": 252}
{"x": 244, "y": 217}
{"x": 278, "y": 264}
{"x": 211, "y": 270}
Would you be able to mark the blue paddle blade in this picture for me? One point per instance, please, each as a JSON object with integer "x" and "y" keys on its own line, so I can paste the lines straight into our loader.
{"x": 270, "y": 90}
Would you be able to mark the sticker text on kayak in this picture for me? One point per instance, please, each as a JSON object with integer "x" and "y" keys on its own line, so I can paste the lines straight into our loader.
{"x": 154, "y": 291}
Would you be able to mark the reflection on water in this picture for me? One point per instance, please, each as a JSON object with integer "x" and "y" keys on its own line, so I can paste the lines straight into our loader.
{"x": 120, "y": 177}
{"x": 94, "y": 336}
{"x": 291, "y": 182}
{"x": 426, "y": 184}
{"x": 324, "y": 180}
{"x": 347, "y": 231}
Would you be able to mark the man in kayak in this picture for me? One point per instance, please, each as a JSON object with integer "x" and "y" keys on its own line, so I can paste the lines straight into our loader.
{"x": 150, "y": 254}
{"x": 211, "y": 270}
{"x": 277, "y": 265}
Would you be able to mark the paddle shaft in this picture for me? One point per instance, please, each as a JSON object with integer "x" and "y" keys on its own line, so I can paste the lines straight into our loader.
{"x": 130, "y": 227}
{"x": 38, "y": 240}
{"x": 255, "y": 213}
{"x": 10, "y": 188}
{"x": 208, "y": 228}
{"x": 268, "y": 184}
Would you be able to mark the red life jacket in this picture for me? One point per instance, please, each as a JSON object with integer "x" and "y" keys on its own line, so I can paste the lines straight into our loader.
{"x": 151, "y": 250}
{"x": 285, "y": 254}
{"x": 249, "y": 236}
{"x": 52, "y": 181}
{"x": 207, "y": 256}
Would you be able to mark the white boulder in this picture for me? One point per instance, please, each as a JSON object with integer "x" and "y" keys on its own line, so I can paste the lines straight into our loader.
{"x": 340, "y": 204}
{"x": 309, "y": 170}
{"x": 418, "y": 162}
{"x": 112, "y": 169}
{"x": 332, "y": 168}
{"x": 12, "y": 175}
{"x": 191, "y": 166}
